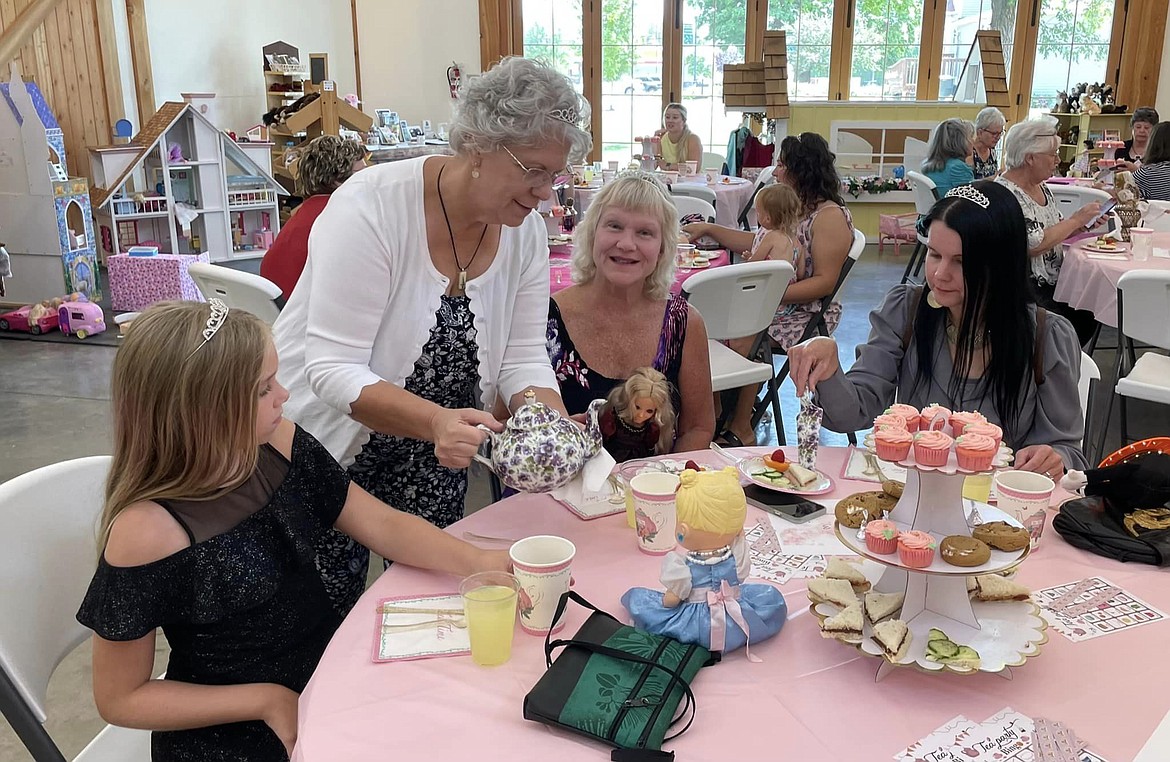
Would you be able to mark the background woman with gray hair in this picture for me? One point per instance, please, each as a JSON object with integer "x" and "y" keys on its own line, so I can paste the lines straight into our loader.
{"x": 324, "y": 164}
{"x": 620, "y": 314}
{"x": 1031, "y": 155}
{"x": 1141, "y": 124}
{"x": 989, "y": 127}
{"x": 948, "y": 155}
{"x": 425, "y": 297}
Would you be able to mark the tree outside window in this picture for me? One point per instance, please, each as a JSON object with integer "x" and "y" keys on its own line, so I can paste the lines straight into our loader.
{"x": 714, "y": 32}
{"x": 1073, "y": 47}
{"x": 963, "y": 19}
{"x": 631, "y": 74}
{"x": 552, "y": 33}
{"x": 809, "y": 28}
{"x": 886, "y": 38}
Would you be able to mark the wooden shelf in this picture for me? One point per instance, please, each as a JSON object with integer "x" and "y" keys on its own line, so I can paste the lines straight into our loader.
{"x": 141, "y": 215}
{"x": 246, "y": 207}
{"x": 190, "y": 164}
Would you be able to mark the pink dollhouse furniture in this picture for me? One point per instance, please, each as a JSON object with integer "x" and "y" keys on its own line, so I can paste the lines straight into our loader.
{"x": 897, "y": 228}
{"x": 138, "y": 282}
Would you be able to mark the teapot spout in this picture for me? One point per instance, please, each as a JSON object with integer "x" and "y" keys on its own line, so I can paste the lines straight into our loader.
{"x": 593, "y": 425}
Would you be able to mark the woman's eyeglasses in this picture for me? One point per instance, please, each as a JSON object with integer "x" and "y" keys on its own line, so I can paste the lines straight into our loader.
{"x": 537, "y": 178}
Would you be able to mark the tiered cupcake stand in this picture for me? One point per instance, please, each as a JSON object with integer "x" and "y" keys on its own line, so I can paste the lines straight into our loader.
{"x": 1005, "y": 633}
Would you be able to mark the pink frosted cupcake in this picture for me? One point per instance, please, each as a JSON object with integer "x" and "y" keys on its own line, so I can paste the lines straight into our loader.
{"x": 915, "y": 549}
{"x": 986, "y": 429}
{"x": 892, "y": 420}
{"x": 929, "y": 413}
{"x": 960, "y": 420}
{"x": 932, "y": 448}
{"x": 909, "y": 412}
{"x": 975, "y": 452}
{"x": 881, "y": 536}
{"x": 893, "y": 444}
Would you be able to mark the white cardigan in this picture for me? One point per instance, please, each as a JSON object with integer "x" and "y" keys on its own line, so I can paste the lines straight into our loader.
{"x": 367, "y": 301}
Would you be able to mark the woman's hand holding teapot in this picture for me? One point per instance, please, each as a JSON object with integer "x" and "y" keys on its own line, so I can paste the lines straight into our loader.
{"x": 456, "y": 436}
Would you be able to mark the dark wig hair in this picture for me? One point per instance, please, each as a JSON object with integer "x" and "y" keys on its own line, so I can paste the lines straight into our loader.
{"x": 998, "y": 294}
{"x": 1159, "y": 146}
{"x": 810, "y": 169}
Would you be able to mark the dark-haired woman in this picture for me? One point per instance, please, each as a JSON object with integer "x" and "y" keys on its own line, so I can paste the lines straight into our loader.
{"x": 1153, "y": 176}
{"x": 972, "y": 338}
{"x": 823, "y": 235}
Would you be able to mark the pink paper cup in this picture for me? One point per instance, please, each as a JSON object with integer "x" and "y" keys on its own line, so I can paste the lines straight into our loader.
{"x": 1024, "y": 496}
{"x": 654, "y": 511}
{"x": 542, "y": 564}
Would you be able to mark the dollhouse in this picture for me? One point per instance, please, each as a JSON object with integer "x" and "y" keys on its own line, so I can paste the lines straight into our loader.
{"x": 185, "y": 187}
{"x": 44, "y": 213}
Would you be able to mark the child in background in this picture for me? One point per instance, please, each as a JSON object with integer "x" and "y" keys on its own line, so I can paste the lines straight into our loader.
{"x": 214, "y": 508}
{"x": 778, "y": 211}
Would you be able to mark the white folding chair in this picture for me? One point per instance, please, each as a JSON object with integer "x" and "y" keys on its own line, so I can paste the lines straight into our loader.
{"x": 736, "y": 301}
{"x": 238, "y": 289}
{"x": 1143, "y": 303}
{"x": 690, "y": 205}
{"x": 1087, "y": 390}
{"x": 817, "y": 326}
{"x": 712, "y": 160}
{"x": 1070, "y": 198}
{"x": 925, "y": 194}
{"x": 765, "y": 177}
{"x": 692, "y": 190}
{"x": 48, "y": 552}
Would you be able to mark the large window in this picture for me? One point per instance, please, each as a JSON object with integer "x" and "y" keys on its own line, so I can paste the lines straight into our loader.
{"x": 631, "y": 74}
{"x": 713, "y": 34}
{"x": 1073, "y": 47}
{"x": 886, "y": 37}
{"x": 809, "y": 27}
{"x": 552, "y": 32}
{"x": 963, "y": 19}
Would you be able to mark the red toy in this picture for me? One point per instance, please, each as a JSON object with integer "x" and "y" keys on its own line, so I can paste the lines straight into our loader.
{"x": 18, "y": 320}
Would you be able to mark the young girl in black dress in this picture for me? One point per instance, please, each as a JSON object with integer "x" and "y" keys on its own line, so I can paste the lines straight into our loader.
{"x": 213, "y": 510}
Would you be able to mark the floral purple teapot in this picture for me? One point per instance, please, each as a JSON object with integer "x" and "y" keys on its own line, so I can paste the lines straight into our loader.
{"x": 540, "y": 449}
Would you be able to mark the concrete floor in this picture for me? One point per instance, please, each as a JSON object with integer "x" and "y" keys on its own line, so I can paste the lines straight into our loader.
{"x": 57, "y": 407}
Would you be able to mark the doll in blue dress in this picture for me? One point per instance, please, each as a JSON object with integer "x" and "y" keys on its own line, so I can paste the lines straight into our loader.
{"x": 706, "y": 601}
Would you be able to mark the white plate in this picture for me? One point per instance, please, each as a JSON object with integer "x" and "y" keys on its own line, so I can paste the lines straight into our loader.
{"x": 750, "y": 466}
{"x": 1119, "y": 248}
{"x": 729, "y": 181}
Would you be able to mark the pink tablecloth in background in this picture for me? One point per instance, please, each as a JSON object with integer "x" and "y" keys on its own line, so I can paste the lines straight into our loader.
{"x": 811, "y": 699}
{"x": 558, "y": 269}
{"x": 1091, "y": 284}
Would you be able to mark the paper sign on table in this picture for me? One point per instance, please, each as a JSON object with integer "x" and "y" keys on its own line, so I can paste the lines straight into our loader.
{"x": 1007, "y": 736}
{"x": 815, "y": 537}
{"x": 936, "y": 746}
{"x": 433, "y": 626}
{"x": 770, "y": 563}
{"x": 1119, "y": 612}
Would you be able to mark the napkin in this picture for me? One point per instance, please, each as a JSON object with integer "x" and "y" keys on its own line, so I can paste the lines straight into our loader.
{"x": 587, "y": 498}
{"x": 808, "y": 432}
{"x": 427, "y": 629}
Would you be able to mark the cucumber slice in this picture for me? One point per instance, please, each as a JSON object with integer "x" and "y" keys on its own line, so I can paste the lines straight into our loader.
{"x": 943, "y": 649}
{"x": 936, "y": 634}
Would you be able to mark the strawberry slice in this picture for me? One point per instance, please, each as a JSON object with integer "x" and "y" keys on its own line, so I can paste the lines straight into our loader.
{"x": 778, "y": 456}
{"x": 693, "y": 465}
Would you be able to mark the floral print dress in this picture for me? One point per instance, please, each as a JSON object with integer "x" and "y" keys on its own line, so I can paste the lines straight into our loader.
{"x": 404, "y": 472}
{"x": 791, "y": 319}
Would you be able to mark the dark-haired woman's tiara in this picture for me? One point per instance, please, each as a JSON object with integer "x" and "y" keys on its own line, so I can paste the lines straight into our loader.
{"x": 969, "y": 193}
{"x": 566, "y": 115}
{"x": 215, "y": 321}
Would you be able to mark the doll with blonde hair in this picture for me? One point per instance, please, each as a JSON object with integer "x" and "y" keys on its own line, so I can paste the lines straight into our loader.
{"x": 215, "y": 509}
{"x": 707, "y": 601}
{"x": 638, "y": 418}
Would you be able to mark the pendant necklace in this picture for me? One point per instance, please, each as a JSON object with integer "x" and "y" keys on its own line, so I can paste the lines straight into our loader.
{"x": 462, "y": 283}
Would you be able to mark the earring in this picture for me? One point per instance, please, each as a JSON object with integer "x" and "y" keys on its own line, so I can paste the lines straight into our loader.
{"x": 931, "y": 301}
{"x": 475, "y": 172}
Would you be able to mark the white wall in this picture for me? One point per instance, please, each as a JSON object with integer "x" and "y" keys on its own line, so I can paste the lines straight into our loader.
{"x": 1163, "y": 101}
{"x": 405, "y": 48}
{"x": 213, "y": 46}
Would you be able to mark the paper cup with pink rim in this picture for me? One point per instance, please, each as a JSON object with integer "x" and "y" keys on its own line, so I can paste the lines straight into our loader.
{"x": 654, "y": 511}
{"x": 1024, "y": 495}
{"x": 543, "y": 565}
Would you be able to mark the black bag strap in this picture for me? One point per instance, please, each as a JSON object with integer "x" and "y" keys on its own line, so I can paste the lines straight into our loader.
{"x": 561, "y": 605}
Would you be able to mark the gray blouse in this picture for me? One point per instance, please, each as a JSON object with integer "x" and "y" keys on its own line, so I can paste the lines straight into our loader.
{"x": 1049, "y": 414}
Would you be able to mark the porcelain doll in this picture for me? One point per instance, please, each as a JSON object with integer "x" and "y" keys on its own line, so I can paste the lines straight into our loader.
{"x": 638, "y": 418}
{"x": 706, "y": 601}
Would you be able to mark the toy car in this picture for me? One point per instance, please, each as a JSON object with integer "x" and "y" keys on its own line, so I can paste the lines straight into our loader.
{"x": 17, "y": 320}
{"x": 81, "y": 319}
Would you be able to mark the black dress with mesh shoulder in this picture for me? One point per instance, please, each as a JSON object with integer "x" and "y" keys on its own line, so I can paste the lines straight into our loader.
{"x": 243, "y": 603}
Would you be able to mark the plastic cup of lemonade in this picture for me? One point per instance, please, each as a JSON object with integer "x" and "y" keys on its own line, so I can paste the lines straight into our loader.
{"x": 489, "y": 603}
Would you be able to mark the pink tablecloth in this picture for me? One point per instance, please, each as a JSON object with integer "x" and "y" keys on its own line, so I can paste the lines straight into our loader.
{"x": 729, "y": 199}
{"x": 1091, "y": 284}
{"x": 558, "y": 269}
{"x": 811, "y": 699}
